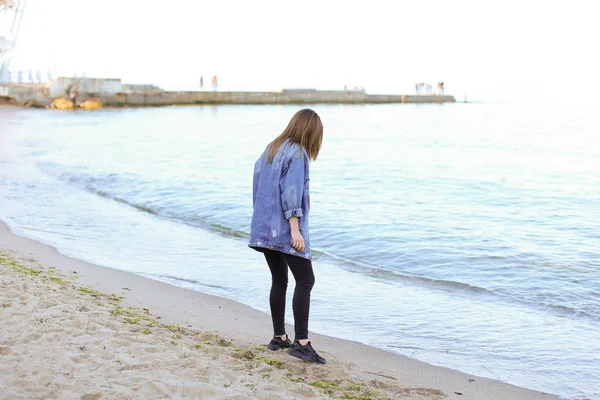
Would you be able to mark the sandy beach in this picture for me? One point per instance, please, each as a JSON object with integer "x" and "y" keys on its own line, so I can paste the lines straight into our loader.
{"x": 72, "y": 330}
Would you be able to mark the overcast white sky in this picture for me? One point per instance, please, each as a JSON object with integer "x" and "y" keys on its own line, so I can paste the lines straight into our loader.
{"x": 480, "y": 48}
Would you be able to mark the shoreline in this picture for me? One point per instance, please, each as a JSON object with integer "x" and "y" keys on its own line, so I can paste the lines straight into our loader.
{"x": 248, "y": 327}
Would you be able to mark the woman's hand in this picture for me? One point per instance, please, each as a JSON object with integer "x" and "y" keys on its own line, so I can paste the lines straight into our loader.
{"x": 298, "y": 240}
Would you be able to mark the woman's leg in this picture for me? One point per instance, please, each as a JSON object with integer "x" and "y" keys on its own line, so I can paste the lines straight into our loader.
{"x": 305, "y": 280}
{"x": 279, "y": 281}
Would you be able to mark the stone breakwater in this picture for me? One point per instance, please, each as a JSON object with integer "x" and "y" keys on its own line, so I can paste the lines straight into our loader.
{"x": 111, "y": 93}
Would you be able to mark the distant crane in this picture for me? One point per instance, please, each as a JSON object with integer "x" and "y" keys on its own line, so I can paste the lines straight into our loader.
{"x": 11, "y": 14}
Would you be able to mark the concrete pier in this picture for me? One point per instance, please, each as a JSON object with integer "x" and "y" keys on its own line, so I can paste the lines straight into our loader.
{"x": 112, "y": 93}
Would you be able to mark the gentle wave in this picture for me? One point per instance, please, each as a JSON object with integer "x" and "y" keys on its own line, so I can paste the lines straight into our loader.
{"x": 90, "y": 183}
{"x": 386, "y": 275}
{"x": 180, "y": 279}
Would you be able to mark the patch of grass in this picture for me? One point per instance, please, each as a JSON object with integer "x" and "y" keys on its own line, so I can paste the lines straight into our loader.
{"x": 328, "y": 387}
{"x": 91, "y": 292}
{"x": 132, "y": 315}
{"x": 9, "y": 261}
{"x": 354, "y": 387}
{"x": 259, "y": 348}
{"x": 132, "y": 321}
{"x": 291, "y": 377}
{"x": 197, "y": 346}
{"x": 349, "y": 391}
{"x": 146, "y": 331}
{"x": 116, "y": 299}
{"x": 174, "y": 328}
{"x": 275, "y": 363}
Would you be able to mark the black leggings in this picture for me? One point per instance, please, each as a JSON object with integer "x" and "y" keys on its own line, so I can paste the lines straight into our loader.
{"x": 305, "y": 279}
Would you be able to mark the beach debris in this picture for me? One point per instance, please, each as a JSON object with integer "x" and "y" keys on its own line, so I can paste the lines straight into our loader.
{"x": 224, "y": 343}
{"x": 91, "y": 104}
{"x": 458, "y": 393}
{"x": 247, "y": 355}
{"x": 62, "y": 104}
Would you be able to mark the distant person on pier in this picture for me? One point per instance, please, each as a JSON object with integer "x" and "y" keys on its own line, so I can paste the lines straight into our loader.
{"x": 420, "y": 86}
{"x": 73, "y": 95}
{"x": 215, "y": 83}
{"x": 201, "y": 82}
{"x": 440, "y": 86}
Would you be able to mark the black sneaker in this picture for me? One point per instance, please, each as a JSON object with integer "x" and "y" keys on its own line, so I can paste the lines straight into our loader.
{"x": 306, "y": 353}
{"x": 276, "y": 343}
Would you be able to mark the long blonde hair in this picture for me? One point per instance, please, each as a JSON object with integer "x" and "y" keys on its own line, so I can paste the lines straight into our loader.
{"x": 306, "y": 129}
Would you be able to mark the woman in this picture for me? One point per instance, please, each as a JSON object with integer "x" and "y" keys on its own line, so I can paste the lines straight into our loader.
{"x": 280, "y": 226}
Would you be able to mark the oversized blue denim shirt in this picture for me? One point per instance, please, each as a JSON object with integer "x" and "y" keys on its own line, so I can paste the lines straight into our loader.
{"x": 280, "y": 191}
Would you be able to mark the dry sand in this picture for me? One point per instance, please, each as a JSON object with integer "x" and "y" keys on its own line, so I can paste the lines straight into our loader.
{"x": 72, "y": 330}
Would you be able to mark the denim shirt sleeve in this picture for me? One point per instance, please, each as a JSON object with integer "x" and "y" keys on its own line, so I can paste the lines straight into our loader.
{"x": 255, "y": 181}
{"x": 292, "y": 185}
